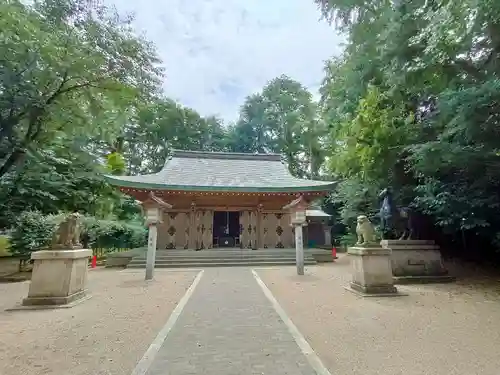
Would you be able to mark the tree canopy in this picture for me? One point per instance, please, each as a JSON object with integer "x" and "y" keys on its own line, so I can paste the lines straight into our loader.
{"x": 80, "y": 96}
{"x": 412, "y": 102}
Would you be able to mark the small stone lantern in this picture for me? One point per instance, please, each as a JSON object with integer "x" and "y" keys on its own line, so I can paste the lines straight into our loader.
{"x": 298, "y": 217}
{"x": 153, "y": 215}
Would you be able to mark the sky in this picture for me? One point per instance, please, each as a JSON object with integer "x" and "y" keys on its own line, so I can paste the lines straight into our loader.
{"x": 217, "y": 52}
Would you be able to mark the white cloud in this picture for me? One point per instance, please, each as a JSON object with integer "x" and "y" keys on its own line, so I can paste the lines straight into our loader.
{"x": 216, "y": 52}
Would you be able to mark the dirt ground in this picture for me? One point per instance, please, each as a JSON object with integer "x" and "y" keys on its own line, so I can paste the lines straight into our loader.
{"x": 107, "y": 334}
{"x": 436, "y": 329}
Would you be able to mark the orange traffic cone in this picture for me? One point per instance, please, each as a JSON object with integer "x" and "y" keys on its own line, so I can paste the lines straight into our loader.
{"x": 334, "y": 252}
{"x": 94, "y": 261}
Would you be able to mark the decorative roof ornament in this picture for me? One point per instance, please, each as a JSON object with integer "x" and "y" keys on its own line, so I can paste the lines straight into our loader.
{"x": 154, "y": 200}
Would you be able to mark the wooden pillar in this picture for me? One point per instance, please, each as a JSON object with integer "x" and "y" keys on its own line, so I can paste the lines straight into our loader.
{"x": 170, "y": 223}
{"x": 255, "y": 234}
{"x": 264, "y": 229}
{"x": 206, "y": 224}
{"x": 246, "y": 230}
{"x": 192, "y": 227}
{"x": 260, "y": 232}
{"x": 197, "y": 227}
{"x": 241, "y": 229}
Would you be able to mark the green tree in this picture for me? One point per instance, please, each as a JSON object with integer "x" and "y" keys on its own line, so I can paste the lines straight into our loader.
{"x": 64, "y": 177}
{"x": 250, "y": 133}
{"x": 162, "y": 125}
{"x": 412, "y": 103}
{"x": 66, "y": 66}
{"x": 281, "y": 119}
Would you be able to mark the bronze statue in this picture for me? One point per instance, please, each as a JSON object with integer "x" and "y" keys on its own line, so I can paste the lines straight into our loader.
{"x": 395, "y": 221}
{"x": 67, "y": 234}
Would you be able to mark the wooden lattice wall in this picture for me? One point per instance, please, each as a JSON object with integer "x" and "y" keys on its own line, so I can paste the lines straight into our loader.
{"x": 173, "y": 233}
{"x": 194, "y": 230}
{"x": 246, "y": 229}
{"x": 204, "y": 229}
{"x": 276, "y": 231}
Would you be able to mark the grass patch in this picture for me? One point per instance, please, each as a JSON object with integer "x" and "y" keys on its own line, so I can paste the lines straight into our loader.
{"x": 4, "y": 246}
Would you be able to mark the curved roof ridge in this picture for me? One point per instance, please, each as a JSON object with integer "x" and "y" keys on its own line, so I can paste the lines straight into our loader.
{"x": 225, "y": 155}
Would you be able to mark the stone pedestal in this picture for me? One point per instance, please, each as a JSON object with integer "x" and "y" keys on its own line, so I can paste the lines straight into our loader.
{"x": 59, "y": 278}
{"x": 416, "y": 261}
{"x": 371, "y": 272}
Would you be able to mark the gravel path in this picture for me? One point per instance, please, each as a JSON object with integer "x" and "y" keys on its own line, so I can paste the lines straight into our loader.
{"x": 437, "y": 329}
{"x": 107, "y": 334}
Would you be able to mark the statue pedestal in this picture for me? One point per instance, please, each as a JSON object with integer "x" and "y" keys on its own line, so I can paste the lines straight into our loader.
{"x": 416, "y": 261}
{"x": 58, "y": 280}
{"x": 371, "y": 272}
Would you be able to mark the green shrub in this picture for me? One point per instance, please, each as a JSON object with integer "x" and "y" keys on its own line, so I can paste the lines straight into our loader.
{"x": 348, "y": 240}
{"x": 32, "y": 231}
{"x": 107, "y": 234}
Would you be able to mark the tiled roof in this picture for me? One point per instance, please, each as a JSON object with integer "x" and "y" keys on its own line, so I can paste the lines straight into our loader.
{"x": 223, "y": 171}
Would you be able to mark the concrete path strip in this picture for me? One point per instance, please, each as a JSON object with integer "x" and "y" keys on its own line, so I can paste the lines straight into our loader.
{"x": 147, "y": 359}
{"x": 304, "y": 346}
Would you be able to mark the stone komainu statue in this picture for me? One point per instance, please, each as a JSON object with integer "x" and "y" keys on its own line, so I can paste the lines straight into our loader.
{"x": 67, "y": 234}
{"x": 365, "y": 232}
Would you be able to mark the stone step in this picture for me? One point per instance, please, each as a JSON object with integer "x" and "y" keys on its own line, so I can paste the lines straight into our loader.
{"x": 201, "y": 254}
{"x": 225, "y": 252}
{"x": 219, "y": 256}
{"x": 291, "y": 256}
{"x": 177, "y": 258}
{"x": 220, "y": 264}
{"x": 220, "y": 260}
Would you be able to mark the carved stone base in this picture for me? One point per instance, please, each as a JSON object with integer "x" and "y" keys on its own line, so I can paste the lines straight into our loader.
{"x": 66, "y": 247}
{"x": 52, "y": 303}
{"x": 58, "y": 278}
{"x": 416, "y": 261}
{"x": 402, "y": 280}
{"x": 374, "y": 291}
{"x": 371, "y": 272}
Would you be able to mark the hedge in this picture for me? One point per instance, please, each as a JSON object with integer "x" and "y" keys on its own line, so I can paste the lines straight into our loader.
{"x": 33, "y": 231}
{"x": 108, "y": 235}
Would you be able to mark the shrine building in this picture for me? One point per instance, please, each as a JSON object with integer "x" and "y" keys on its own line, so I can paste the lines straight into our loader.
{"x": 222, "y": 199}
